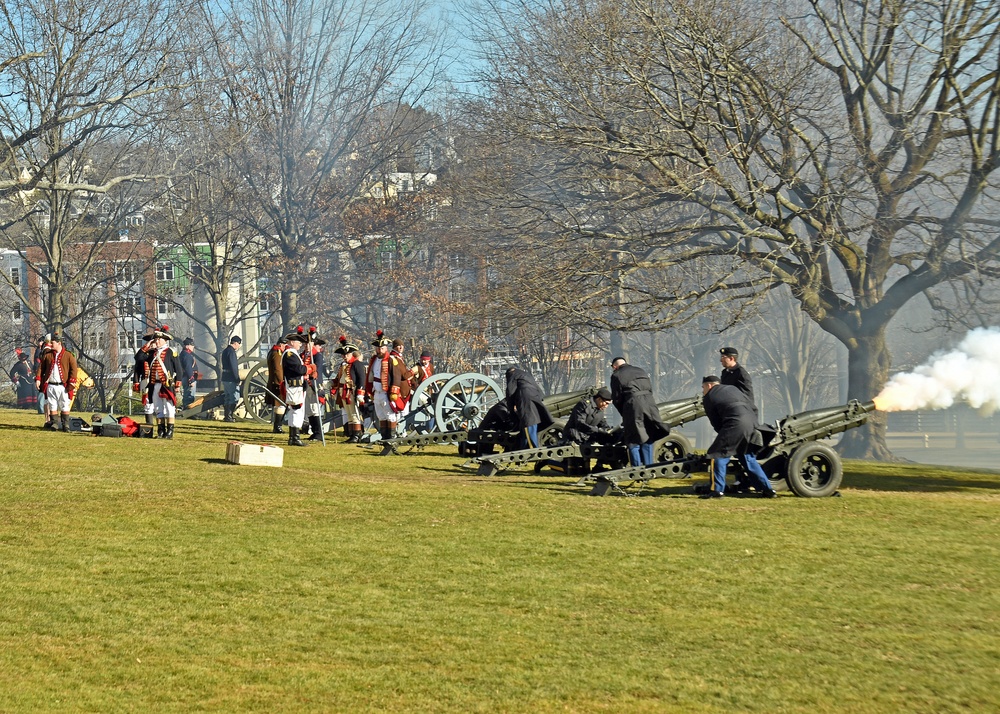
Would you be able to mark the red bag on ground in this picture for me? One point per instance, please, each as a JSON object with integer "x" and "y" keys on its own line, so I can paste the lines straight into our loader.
{"x": 130, "y": 427}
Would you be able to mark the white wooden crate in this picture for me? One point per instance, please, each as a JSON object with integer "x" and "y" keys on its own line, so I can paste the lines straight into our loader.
{"x": 254, "y": 454}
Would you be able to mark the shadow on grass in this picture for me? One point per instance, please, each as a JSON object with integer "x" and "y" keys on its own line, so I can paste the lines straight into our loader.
{"x": 214, "y": 461}
{"x": 930, "y": 483}
{"x": 25, "y": 427}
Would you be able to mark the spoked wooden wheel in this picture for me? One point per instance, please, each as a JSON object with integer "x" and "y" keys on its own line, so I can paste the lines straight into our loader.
{"x": 254, "y": 390}
{"x": 421, "y": 417}
{"x": 464, "y": 401}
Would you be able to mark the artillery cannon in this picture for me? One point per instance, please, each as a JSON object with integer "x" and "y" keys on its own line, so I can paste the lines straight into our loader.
{"x": 460, "y": 410}
{"x": 792, "y": 456}
{"x": 675, "y": 446}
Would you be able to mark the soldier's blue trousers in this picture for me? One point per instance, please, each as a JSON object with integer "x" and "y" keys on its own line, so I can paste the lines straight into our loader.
{"x": 750, "y": 465}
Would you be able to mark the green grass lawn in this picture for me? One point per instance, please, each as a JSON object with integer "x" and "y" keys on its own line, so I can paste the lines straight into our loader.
{"x": 151, "y": 576}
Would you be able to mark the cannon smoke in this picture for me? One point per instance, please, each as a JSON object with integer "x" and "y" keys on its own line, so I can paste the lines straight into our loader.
{"x": 969, "y": 373}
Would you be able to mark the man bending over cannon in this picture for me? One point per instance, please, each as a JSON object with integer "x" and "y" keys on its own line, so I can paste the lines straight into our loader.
{"x": 733, "y": 419}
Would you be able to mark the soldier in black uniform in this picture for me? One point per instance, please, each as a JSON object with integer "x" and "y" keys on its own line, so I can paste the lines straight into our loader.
{"x": 737, "y": 434}
{"x": 524, "y": 399}
{"x": 189, "y": 371}
{"x": 586, "y": 423}
{"x": 632, "y": 394}
{"x": 734, "y": 374}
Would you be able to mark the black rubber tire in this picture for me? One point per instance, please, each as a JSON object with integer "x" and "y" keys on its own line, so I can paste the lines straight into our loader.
{"x": 671, "y": 448}
{"x": 814, "y": 471}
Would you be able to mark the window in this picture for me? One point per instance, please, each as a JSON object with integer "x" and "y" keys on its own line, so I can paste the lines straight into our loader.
{"x": 126, "y": 273}
{"x": 15, "y": 276}
{"x": 93, "y": 342}
{"x": 129, "y": 341}
{"x": 164, "y": 270}
{"x": 129, "y": 304}
{"x": 264, "y": 303}
{"x": 164, "y": 307}
{"x": 17, "y": 314}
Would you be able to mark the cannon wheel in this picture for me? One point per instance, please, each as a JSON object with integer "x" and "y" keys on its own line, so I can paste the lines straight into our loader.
{"x": 423, "y": 400}
{"x": 254, "y": 389}
{"x": 464, "y": 401}
{"x": 814, "y": 471}
{"x": 671, "y": 448}
{"x": 551, "y": 436}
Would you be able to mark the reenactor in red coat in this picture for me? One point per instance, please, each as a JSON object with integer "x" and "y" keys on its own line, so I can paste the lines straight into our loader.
{"x": 56, "y": 378}
{"x": 164, "y": 374}
{"x": 275, "y": 394}
{"x": 387, "y": 385}
{"x": 348, "y": 389}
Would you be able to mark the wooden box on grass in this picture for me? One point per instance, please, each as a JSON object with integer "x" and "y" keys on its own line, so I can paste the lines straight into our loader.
{"x": 254, "y": 454}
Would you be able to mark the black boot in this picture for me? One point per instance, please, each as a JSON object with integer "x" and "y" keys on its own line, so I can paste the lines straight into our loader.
{"x": 293, "y": 437}
{"x": 355, "y": 433}
{"x": 65, "y": 422}
{"x": 169, "y": 432}
{"x": 316, "y": 426}
{"x": 276, "y": 424}
{"x": 304, "y": 429}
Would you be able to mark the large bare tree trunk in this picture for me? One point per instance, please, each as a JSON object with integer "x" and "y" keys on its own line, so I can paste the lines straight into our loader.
{"x": 868, "y": 362}
{"x": 289, "y": 308}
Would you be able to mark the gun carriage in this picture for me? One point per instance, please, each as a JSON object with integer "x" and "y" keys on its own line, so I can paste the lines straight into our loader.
{"x": 460, "y": 406}
{"x": 792, "y": 456}
{"x": 676, "y": 446}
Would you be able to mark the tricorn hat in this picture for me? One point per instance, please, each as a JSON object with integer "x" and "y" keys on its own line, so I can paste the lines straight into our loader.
{"x": 299, "y": 334}
{"x": 381, "y": 339}
{"x": 345, "y": 346}
{"x": 164, "y": 332}
{"x": 729, "y": 352}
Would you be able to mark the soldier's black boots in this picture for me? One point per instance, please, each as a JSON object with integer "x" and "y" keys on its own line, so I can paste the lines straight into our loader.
{"x": 169, "y": 433}
{"x": 293, "y": 437}
{"x": 276, "y": 424}
{"x": 355, "y": 433}
{"x": 161, "y": 430}
{"x": 65, "y": 422}
{"x": 316, "y": 427}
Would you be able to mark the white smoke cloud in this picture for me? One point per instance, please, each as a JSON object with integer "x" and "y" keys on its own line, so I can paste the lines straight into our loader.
{"x": 970, "y": 373}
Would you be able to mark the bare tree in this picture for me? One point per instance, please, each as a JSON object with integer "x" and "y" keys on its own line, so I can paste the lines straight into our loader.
{"x": 316, "y": 89}
{"x": 77, "y": 117}
{"x": 673, "y": 156}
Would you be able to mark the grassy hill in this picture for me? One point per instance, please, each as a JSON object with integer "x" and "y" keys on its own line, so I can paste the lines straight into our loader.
{"x": 149, "y": 575}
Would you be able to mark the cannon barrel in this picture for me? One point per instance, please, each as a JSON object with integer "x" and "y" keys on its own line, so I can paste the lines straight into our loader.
{"x": 681, "y": 411}
{"x": 560, "y": 405}
{"x": 821, "y": 423}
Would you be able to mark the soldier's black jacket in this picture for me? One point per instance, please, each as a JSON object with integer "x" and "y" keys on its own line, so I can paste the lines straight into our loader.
{"x": 585, "y": 422}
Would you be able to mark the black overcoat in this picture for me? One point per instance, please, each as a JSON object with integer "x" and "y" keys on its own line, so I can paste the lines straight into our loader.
{"x": 738, "y": 377}
{"x": 524, "y": 399}
{"x": 632, "y": 395}
{"x": 732, "y": 417}
{"x": 585, "y": 422}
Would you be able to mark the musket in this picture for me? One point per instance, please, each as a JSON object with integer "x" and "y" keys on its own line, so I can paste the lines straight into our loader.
{"x": 276, "y": 397}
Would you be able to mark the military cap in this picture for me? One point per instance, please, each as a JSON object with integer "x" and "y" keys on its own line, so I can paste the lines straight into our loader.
{"x": 729, "y": 352}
